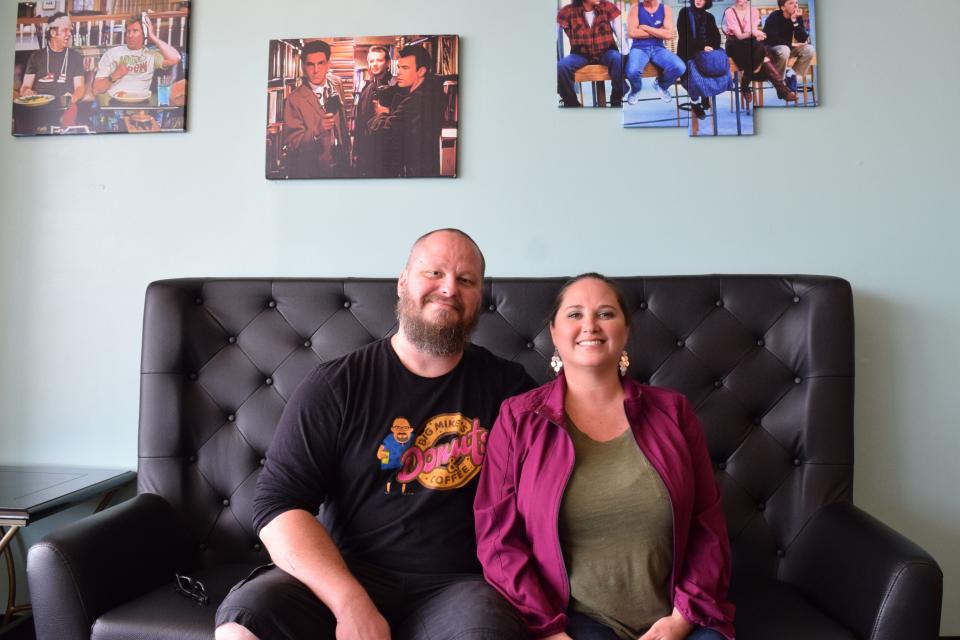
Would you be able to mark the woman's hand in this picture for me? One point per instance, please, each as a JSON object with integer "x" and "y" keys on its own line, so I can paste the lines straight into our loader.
{"x": 760, "y": 36}
{"x": 558, "y": 636}
{"x": 672, "y": 627}
{"x": 708, "y": 48}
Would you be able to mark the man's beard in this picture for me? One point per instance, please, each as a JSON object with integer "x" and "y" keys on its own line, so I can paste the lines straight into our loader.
{"x": 442, "y": 338}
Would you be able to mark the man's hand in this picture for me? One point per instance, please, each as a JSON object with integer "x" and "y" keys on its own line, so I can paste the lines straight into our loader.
{"x": 672, "y": 627}
{"x": 797, "y": 15}
{"x": 151, "y": 34}
{"x": 360, "y": 620}
{"x": 558, "y": 636}
{"x": 119, "y": 72}
{"x": 708, "y": 48}
{"x": 26, "y": 91}
{"x": 328, "y": 122}
{"x": 380, "y": 110}
{"x": 760, "y": 36}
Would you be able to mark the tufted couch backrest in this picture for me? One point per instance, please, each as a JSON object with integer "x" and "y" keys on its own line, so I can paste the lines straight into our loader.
{"x": 766, "y": 360}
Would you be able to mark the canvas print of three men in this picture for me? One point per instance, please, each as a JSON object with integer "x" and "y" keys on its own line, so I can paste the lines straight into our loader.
{"x": 658, "y": 52}
{"x": 363, "y": 107}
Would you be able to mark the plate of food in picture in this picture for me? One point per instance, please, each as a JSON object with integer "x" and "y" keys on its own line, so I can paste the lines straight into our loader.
{"x": 36, "y": 100}
{"x": 131, "y": 96}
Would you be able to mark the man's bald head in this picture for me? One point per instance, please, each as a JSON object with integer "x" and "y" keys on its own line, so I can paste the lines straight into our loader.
{"x": 419, "y": 241}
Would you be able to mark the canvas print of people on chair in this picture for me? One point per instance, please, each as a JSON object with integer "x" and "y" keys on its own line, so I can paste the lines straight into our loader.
{"x": 589, "y": 53}
{"x": 703, "y": 65}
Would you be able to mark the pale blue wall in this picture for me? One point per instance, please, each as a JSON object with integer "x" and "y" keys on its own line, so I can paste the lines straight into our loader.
{"x": 860, "y": 188}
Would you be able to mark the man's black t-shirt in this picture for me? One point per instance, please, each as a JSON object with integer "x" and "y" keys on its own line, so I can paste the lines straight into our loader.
{"x": 54, "y": 71}
{"x": 362, "y": 421}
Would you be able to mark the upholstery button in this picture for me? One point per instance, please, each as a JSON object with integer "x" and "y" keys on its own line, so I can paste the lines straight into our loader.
{"x": 199, "y": 301}
{"x": 722, "y": 466}
{"x": 272, "y": 304}
{"x": 226, "y": 502}
{"x": 797, "y": 462}
{"x": 797, "y": 380}
{"x": 643, "y": 305}
{"x": 268, "y": 381}
{"x": 307, "y": 344}
{"x": 781, "y": 553}
{"x": 761, "y": 507}
{"x": 263, "y": 461}
{"x": 679, "y": 343}
{"x": 231, "y": 418}
{"x": 718, "y": 384}
{"x": 492, "y": 307}
{"x": 757, "y": 421}
{"x": 760, "y": 342}
{"x": 796, "y": 299}
{"x": 257, "y": 546}
{"x": 203, "y": 547}
{"x": 529, "y": 345}
{"x": 719, "y": 303}
{"x": 346, "y": 304}
{"x": 193, "y": 376}
{"x": 192, "y": 458}
{"x": 232, "y": 340}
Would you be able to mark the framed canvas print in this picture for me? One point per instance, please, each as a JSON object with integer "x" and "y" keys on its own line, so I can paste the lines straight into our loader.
{"x": 363, "y": 107}
{"x": 786, "y": 76}
{"x": 589, "y": 53}
{"x": 100, "y": 66}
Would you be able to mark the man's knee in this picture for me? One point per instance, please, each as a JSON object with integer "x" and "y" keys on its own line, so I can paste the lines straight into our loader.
{"x": 676, "y": 68}
{"x": 780, "y": 52}
{"x": 569, "y": 65}
{"x": 806, "y": 52}
{"x": 489, "y": 614}
{"x": 233, "y": 631}
{"x": 467, "y": 610}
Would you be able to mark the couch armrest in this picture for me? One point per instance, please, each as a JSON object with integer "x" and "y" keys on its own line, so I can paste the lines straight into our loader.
{"x": 90, "y": 566}
{"x": 866, "y": 575}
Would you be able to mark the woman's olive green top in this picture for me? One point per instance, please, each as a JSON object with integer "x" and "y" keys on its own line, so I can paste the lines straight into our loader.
{"x": 616, "y": 532}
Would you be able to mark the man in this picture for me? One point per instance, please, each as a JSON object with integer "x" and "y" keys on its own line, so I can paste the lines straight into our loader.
{"x": 129, "y": 67}
{"x": 56, "y": 69}
{"x": 314, "y": 121}
{"x": 590, "y": 29}
{"x": 390, "y": 453}
{"x": 411, "y": 126}
{"x": 785, "y": 27}
{"x": 650, "y": 24}
{"x": 368, "y": 146}
{"x": 398, "y": 565}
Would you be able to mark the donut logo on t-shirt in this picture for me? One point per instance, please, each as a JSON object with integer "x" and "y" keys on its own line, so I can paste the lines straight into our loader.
{"x": 447, "y": 454}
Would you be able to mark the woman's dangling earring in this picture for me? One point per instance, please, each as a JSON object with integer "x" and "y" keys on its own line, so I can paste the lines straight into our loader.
{"x": 555, "y": 362}
{"x": 624, "y": 363}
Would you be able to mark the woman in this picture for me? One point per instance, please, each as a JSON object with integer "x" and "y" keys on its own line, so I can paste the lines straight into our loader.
{"x": 741, "y": 23}
{"x": 705, "y": 36}
{"x": 597, "y": 513}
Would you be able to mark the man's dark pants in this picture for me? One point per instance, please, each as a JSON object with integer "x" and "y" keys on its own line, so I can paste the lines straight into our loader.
{"x": 273, "y": 604}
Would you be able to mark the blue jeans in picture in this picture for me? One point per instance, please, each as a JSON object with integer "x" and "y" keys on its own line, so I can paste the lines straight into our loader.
{"x": 581, "y": 627}
{"x": 670, "y": 65}
{"x": 612, "y": 60}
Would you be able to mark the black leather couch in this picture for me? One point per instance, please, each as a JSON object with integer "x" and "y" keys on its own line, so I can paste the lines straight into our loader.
{"x": 767, "y": 361}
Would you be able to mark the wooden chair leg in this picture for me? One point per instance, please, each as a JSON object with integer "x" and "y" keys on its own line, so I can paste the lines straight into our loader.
{"x": 601, "y": 93}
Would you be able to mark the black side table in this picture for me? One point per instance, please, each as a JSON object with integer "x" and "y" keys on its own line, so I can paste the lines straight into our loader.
{"x": 31, "y": 493}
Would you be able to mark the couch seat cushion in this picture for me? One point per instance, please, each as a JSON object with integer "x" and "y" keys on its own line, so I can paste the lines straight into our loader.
{"x": 165, "y": 614}
{"x": 770, "y": 610}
